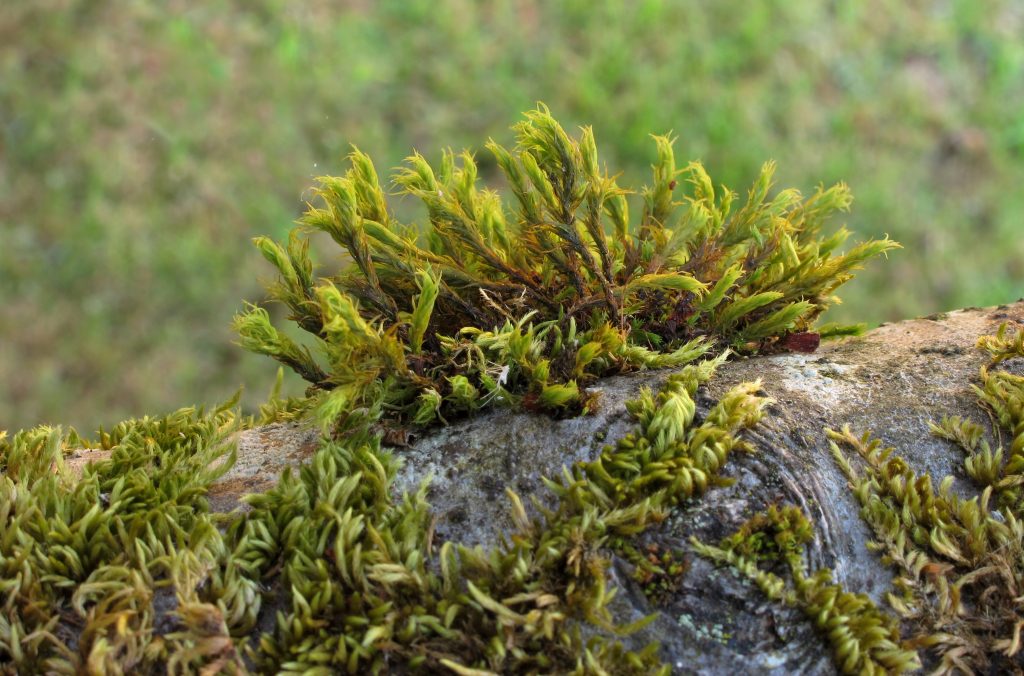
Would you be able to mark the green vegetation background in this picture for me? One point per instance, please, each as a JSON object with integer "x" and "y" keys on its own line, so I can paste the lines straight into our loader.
{"x": 142, "y": 144}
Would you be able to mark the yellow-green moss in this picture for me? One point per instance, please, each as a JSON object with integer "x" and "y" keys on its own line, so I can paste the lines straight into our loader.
{"x": 527, "y": 302}
{"x": 959, "y": 563}
{"x": 126, "y": 570}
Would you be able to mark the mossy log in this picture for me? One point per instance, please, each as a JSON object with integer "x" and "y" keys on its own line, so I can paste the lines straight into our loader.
{"x": 892, "y": 382}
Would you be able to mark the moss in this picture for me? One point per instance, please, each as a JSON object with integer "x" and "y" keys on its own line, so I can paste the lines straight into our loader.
{"x": 526, "y": 303}
{"x": 127, "y": 569}
{"x": 659, "y": 572}
{"x": 106, "y": 573}
{"x": 152, "y": 580}
{"x": 864, "y": 639}
{"x": 1004, "y": 345}
{"x": 959, "y": 563}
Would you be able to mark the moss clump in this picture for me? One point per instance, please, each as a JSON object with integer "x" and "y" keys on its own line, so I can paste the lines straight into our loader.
{"x": 1005, "y": 344}
{"x": 960, "y": 563}
{"x": 528, "y": 302}
{"x": 110, "y": 572}
{"x": 659, "y": 572}
{"x": 777, "y": 534}
{"x": 668, "y": 458}
{"x": 127, "y": 570}
{"x": 864, "y": 639}
{"x": 369, "y": 588}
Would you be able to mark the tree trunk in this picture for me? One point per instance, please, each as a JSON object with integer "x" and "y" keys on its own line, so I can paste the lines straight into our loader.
{"x": 892, "y": 383}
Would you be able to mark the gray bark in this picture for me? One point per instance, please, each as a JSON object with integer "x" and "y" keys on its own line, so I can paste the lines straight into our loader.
{"x": 891, "y": 382}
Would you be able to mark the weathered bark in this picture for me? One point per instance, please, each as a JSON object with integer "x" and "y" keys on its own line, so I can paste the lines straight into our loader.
{"x": 891, "y": 382}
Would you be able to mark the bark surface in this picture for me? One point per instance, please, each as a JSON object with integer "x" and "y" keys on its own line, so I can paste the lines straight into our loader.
{"x": 891, "y": 382}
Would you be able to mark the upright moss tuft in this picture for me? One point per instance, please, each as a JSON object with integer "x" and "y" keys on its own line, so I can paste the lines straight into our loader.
{"x": 528, "y": 301}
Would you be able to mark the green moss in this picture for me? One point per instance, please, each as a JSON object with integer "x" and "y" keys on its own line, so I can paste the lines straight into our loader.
{"x": 864, "y": 639}
{"x": 959, "y": 563}
{"x": 110, "y": 572}
{"x": 1004, "y": 345}
{"x": 336, "y": 536}
{"x": 528, "y": 302}
{"x": 127, "y": 570}
{"x": 659, "y": 572}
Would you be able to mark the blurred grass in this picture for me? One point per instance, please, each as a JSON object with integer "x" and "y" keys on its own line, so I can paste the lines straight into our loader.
{"x": 142, "y": 144}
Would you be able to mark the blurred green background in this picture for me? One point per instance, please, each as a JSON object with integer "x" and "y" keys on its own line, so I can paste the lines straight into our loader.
{"x": 144, "y": 143}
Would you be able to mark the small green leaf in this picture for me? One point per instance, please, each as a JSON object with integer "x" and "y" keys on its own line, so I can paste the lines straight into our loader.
{"x": 734, "y": 311}
{"x": 429, "y": 285}
{"x": 668, "y": 281}
{"x": 559, "y": 396}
